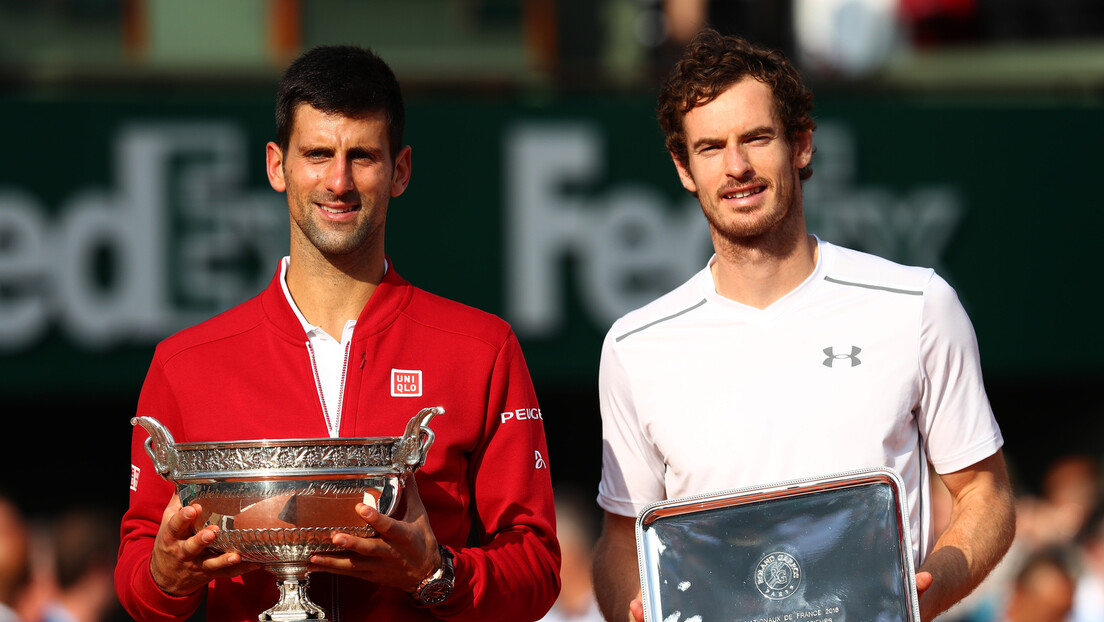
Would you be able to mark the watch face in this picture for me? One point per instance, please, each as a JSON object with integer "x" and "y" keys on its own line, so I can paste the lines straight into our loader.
{"x": 435, "y": 592}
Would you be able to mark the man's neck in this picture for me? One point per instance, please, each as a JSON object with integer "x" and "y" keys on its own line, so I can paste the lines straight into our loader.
{"x": 330, "y": 293}
{"x": 759, "y": 275}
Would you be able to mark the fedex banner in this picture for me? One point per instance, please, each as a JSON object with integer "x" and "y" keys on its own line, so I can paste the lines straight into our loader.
{"x": 123, "y": 221}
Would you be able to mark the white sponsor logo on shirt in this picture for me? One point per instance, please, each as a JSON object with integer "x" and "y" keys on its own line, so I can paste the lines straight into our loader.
{"x": 134, "y": 473}
{"x": 521, "y": 414}
{"x": 406, "y": 383}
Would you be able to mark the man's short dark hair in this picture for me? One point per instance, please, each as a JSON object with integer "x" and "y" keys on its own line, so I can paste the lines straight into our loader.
{"x": 711, "y": 64}
{"x": 341, "y": 79}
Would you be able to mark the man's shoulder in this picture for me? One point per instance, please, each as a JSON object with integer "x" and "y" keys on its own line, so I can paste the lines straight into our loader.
{"x": 230, "y": 323}
{"x": 849, "y": 267}
{"x": 439, "y": 313}
{"x": 669, "y": 306}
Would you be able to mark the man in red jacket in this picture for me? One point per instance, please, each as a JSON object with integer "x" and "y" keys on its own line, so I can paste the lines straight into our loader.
{"x": 340, "y": 345}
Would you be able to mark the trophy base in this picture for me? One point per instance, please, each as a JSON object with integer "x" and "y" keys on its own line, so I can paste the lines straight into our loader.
{"x": 294, "y": 603}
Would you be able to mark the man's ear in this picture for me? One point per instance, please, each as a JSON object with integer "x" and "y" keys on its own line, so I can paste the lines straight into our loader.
{"x": 400, "y": 175}
{"x": 803, "y": 149}
{"x": 684, "y": 175}
{"x": 274, "y": 166}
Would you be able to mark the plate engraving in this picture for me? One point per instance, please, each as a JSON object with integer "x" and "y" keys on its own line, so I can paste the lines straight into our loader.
{"x": 778, "y": 576}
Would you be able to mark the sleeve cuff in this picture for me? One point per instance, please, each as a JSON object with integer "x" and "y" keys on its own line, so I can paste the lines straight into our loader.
{"x": 154, "y": 599}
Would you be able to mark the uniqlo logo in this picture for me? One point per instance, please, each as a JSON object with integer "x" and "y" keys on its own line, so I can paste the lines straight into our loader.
{"x": 406, "y": 383}
{"x": 134, "y": 473}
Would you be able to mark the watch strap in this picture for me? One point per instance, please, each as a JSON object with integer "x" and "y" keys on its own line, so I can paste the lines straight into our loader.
{"x": 437, "y": 587}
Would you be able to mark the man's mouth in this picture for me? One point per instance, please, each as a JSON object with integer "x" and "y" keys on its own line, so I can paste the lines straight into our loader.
{"x": 744, "y": 193}
{"x": 338, "y": 210}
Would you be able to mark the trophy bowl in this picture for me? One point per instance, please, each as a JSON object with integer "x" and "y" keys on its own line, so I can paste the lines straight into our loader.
{"x": 277, "y": 502}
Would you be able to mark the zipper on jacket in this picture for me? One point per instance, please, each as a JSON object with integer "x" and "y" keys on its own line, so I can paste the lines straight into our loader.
{"x": 333, "y": 424}
{"x": 318, "y": 387}
{"x": 341, "y": 387}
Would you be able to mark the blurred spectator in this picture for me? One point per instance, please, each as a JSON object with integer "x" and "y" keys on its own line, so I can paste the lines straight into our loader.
{"x": 832, "y": 38}
{"x": 846, "y": 38}
{"x": 1088, "y": 604}
{"x": 767, "y": 22}
{"x": 14, "y": 560}
{"x": 1040, "y": 20}
{"x": 577, "y": 530}
{"x": 1043, "y": 588}
{"x": 941, "y": 22}
{"x": 1070, "y": 489}
{"x": 1047, "y": 521}
{"x": 84, "y": 545}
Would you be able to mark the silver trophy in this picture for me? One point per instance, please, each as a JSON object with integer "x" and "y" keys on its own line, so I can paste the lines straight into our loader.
{"x": 277, "y": 502}
{"x": 826, "y": 549}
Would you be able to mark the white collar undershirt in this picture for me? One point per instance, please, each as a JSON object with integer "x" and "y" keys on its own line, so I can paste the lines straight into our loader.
{"x": 327, "y": 357}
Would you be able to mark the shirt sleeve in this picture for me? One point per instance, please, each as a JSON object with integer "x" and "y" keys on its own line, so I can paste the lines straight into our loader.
{"x": 955, "y": 418}
{"x": 149, "y": 495}
{"x": 516, "y": 567}
{"x": 632, "y": 468}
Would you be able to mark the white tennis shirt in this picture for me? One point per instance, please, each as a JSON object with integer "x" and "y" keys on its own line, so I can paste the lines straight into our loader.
{"x": 866, "y": 363}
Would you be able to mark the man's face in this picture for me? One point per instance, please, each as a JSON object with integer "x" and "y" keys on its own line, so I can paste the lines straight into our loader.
{"x": 740, "y": 166}
{"x": 339, "y": 176}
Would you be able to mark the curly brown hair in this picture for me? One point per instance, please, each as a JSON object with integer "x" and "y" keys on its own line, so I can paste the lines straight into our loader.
{"x": 712, "y": 63}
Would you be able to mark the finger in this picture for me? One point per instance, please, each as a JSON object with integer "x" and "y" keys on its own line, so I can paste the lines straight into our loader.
{"x": 180, "y": 523}
{"x": 197, "y": 544}
{"x": 336, "y": 562}
{"x": 354, "y": 544}
{"x": 385, "y": 526}
{"x": 636, "y": 609}
{"x": 924, "y": 580}
{"x": 228, "y": 561}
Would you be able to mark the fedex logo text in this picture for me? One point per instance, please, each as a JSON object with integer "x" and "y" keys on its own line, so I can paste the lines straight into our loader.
{"x": 406, "y": 383}
{"x": 522, "y": 414}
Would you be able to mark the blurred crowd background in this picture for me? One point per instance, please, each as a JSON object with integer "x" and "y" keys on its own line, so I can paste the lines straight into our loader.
{"x": 958, "y": 134}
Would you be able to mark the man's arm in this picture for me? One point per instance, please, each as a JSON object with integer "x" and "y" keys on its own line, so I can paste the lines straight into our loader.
{"x": 979, "y": 533}
{"x": 616, "y": 579}
{"x": 163, "y": 565}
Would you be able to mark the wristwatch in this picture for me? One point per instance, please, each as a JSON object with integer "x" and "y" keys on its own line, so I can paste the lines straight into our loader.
{"x": 437, "y": 587}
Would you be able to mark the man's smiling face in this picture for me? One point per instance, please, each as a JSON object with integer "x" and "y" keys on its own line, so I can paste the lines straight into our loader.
{"x": 739, "y": 164}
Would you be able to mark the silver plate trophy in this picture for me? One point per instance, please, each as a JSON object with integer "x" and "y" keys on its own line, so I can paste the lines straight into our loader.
{"x": 830, "y": 549}
{"x": 277, "y": 502}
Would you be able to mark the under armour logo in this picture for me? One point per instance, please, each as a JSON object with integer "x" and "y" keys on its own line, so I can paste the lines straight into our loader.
{"x": 833, "y": 357}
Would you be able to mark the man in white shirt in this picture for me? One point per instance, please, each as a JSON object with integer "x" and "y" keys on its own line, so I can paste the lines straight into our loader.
{"x": 789, "y": 357}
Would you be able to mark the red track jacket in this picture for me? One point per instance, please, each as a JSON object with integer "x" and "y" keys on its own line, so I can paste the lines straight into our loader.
{"x": 246, "y": 374}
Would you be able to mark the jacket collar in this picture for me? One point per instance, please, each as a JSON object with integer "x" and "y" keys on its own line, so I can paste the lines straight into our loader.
{"x": 387, "y": 302}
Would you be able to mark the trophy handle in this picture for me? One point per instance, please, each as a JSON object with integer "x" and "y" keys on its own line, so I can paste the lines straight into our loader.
{"x": 159, "y": 445}
{"x": 415, "y": 443}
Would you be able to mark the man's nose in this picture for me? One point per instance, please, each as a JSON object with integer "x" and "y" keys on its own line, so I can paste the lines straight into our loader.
{"x": 339, "y": 176}
{"x": 736, "y": 162}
